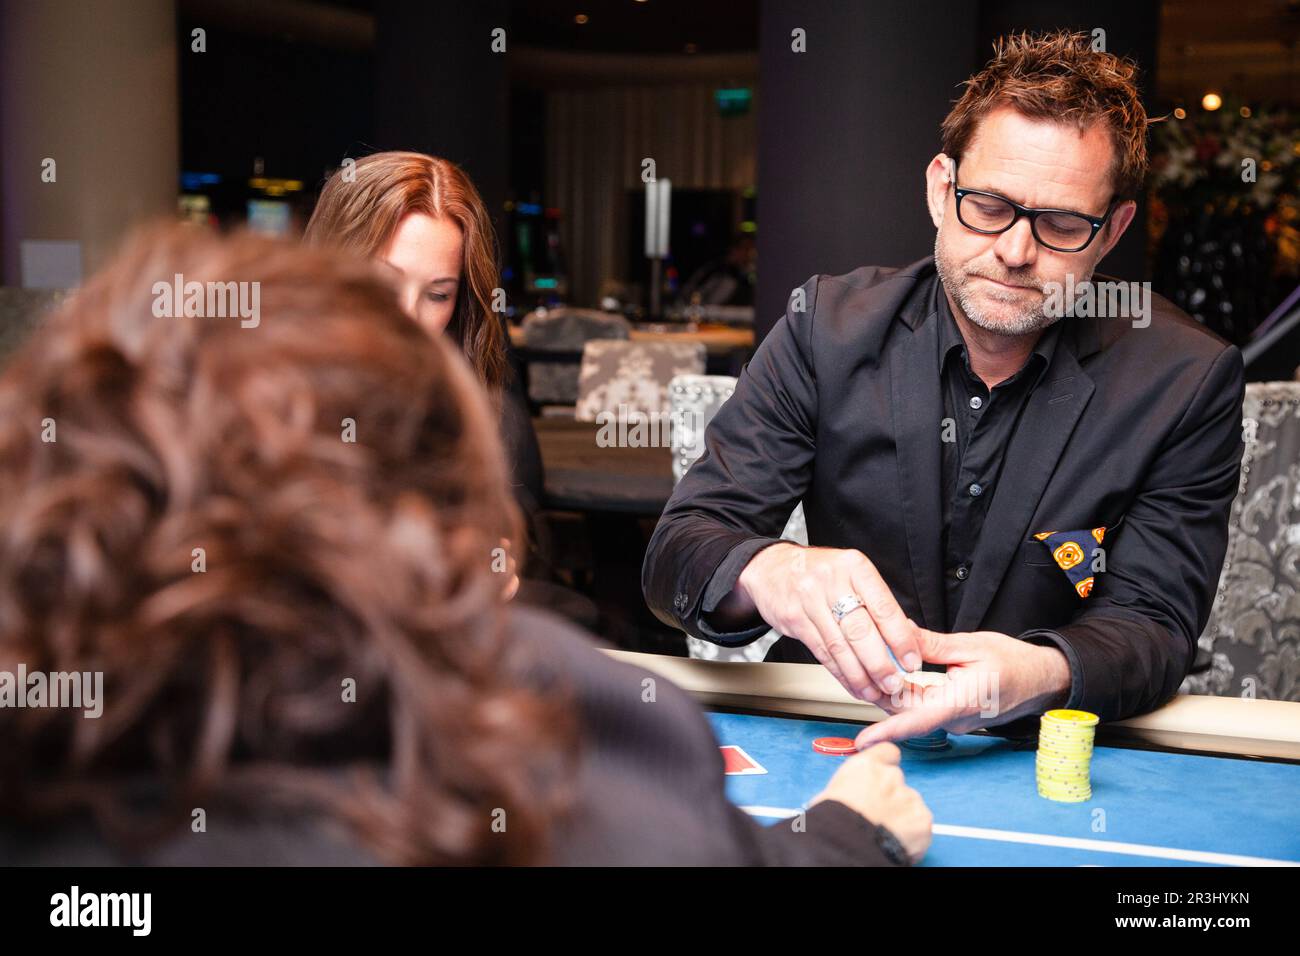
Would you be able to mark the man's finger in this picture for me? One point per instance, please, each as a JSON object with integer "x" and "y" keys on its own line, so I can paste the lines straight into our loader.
{"x": 939, "y": 648}
{"x": 902, "y": 726}
{"x": 806, "y": 632}
{"x": 855, "y": 678}
{"x": 896, "y": 628}
{"x": 866, "y": 644}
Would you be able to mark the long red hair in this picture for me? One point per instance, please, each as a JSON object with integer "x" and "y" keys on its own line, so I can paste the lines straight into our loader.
{"x": 361, "y": 207}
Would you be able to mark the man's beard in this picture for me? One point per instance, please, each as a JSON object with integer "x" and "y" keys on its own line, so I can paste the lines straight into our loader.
{"x": 1026, "y": 320}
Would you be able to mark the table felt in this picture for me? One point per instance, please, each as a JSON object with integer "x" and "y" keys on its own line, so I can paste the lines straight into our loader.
{"x": 1155, "y": 799}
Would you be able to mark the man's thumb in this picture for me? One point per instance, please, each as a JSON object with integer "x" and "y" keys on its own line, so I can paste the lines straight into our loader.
{"x": 949, "y": 648}
{"x": 939, "y": 648}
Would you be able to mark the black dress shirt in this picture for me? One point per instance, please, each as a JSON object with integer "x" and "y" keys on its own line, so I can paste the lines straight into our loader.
{"x": 977, "y": 428}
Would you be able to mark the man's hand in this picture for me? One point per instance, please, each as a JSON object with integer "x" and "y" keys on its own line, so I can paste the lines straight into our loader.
{"x": 794, "y": 588}
{"x": 992, "y": 679}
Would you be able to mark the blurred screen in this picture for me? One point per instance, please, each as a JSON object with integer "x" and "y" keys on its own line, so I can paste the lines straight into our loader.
{"x": 269, "y": 216}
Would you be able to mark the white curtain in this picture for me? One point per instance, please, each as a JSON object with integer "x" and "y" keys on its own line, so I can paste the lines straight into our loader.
{"x": 596, "y": 142}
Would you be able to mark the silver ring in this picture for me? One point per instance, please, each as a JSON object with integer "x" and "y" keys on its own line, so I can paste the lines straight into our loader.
{"x": 846, "y": 606}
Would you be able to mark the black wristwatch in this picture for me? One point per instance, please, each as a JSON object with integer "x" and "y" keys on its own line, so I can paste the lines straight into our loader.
{"x": 890, "y": 846}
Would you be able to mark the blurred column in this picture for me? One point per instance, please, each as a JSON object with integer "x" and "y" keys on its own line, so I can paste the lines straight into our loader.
{"x": 845, "y": 132}
{"x": 92, "y": 85}
{"x": 440, "y": 89}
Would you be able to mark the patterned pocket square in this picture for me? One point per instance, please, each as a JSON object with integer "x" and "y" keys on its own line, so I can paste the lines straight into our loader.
{"x": 1073, "y": 551}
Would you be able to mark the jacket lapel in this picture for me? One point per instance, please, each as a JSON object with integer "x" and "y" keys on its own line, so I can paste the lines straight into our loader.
{"x": 918, "y": 415}
{"x": 1040, "y": 437}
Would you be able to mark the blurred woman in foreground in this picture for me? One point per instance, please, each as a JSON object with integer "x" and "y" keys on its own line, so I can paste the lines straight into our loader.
{"x": 276, "y": 543}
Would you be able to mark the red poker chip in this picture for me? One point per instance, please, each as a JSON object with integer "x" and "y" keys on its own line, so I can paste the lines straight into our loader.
{"x": 837, "y": 746}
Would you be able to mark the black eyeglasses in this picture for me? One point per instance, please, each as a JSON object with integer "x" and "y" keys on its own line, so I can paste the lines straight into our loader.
{"x": 1057, "y": 229}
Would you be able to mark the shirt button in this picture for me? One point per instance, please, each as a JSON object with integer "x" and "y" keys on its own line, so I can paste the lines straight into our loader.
{"x": 976, "y": 489}
{"x": 976, "y": 402}
{"x": 963, "y": 573}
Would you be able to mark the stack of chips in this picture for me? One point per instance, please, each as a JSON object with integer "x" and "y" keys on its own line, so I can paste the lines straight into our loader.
{"x": 1064, "y": 760}
{"x": 935, "y": 740}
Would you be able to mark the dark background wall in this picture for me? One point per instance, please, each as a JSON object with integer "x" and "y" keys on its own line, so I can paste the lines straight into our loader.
{"x": 441, "y": 90}
{"x": 301, "y": 103}
{"x": 304, "y": 86}
{"x": 841, "y": 154}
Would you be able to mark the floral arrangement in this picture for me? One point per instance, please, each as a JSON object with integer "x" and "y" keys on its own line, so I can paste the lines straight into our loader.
{"x": 1213, "y": 156}
{"x": 1230, "y": 164}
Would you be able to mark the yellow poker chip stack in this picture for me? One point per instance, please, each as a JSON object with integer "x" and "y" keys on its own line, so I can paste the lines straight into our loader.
{"x": 1064, "y": 761}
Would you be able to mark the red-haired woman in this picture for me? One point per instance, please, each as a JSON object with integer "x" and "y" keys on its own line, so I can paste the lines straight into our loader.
{"x": 423, "y": 219}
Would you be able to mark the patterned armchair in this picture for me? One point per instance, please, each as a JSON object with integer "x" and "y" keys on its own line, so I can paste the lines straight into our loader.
{"x": 565, "y": 331}
{"x": 1253, "y": 635}
{"x": 633, "y": 375}
{"x": 694, "y": 400}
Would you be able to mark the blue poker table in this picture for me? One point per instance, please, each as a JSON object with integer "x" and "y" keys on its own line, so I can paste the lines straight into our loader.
{"x": 1204, "y": 781}
{"x": 1148, "y": 807}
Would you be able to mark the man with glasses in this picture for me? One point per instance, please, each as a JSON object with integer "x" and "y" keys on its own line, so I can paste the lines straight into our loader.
{"x": 1037, "y": 502}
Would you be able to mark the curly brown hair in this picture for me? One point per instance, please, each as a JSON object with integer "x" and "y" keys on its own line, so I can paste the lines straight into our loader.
{"x": 361, "y": 211}
{"x": 1058, "y": 76}
{"x": 326, "y": 560}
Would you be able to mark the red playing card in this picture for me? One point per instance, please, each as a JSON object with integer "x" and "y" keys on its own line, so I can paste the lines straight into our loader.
{"x": 736, "y": 761}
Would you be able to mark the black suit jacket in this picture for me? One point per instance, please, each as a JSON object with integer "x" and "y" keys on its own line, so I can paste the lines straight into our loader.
{"x": 1134, "y": 429}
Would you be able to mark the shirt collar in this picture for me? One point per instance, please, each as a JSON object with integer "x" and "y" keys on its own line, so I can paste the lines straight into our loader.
{"x": 950, "y": 339}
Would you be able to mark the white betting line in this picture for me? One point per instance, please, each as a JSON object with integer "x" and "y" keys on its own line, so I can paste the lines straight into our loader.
{"x": 1073, "y": 843}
